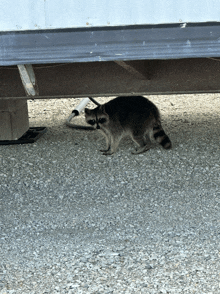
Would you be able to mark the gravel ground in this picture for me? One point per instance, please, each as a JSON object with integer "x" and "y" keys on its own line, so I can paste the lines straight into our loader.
{"x": 75, "y": 221}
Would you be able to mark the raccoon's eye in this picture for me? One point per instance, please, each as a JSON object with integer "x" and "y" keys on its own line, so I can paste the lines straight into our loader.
{"x": 102, "y": 120}
{"x": 91, "y": 122}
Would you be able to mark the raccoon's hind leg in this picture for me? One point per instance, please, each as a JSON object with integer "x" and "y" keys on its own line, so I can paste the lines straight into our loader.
{"x": 160, "y": 136}
{"x": 142, "y": 142}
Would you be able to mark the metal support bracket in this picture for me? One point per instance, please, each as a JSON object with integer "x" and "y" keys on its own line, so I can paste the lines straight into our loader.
{"x": 135, "y": 72}
{"x": 28, "y": 79}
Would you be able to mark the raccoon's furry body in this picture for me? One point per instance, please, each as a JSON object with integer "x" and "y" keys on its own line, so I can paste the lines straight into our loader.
{"x": 135, "y": 116}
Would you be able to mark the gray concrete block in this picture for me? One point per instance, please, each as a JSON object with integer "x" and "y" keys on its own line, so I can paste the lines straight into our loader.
{"x": 13, "y": 119}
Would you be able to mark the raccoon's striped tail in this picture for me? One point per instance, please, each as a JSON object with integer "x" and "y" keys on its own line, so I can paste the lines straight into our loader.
{"x": 161, "y": 137}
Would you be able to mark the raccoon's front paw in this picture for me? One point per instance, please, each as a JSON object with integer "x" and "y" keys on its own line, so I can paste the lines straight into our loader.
{"x": 108, "y": 152}
{"x": 104, "y": 150}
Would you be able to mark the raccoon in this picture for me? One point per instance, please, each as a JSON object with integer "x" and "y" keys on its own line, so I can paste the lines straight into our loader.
{"x": 133, "y": 116}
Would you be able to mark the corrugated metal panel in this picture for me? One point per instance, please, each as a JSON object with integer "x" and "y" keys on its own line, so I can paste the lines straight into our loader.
{"x": 105, "y": 44}
{"x": 53, "y": 14}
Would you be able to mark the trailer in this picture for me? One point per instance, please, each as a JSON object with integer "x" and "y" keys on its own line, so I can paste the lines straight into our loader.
{"x": 54, "y": 49}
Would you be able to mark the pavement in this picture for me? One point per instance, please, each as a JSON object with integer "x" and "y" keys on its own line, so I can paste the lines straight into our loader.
{"x": 75, "y": 221}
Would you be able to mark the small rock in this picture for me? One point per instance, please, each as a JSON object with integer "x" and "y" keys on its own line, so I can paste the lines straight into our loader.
{"x": 147, "y": 266}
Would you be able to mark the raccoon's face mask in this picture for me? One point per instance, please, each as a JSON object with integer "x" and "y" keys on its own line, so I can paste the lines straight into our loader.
{"x": 97, "y": 117}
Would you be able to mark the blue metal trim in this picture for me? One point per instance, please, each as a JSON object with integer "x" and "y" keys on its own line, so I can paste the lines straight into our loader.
{"x": 109, "y": 44}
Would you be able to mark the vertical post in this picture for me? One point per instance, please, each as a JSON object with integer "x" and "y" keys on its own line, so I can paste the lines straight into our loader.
{"x": 14, "y": 121}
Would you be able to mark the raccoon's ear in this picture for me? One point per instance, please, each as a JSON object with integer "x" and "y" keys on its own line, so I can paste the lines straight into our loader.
{"x": 87, "y": 110}
{"x": 102, "y": 108}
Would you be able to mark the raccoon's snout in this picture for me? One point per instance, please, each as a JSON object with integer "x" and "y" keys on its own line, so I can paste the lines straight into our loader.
{"x": 98, "y": 127}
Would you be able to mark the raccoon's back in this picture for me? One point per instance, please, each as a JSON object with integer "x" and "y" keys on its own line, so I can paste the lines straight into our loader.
{"x": 131, "y": 105}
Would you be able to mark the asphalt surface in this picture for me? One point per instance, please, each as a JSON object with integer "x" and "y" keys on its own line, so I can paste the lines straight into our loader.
{"x": 75, "y": 221}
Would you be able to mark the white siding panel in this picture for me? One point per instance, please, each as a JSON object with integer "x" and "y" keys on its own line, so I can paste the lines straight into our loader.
{"x": 55, "y": 14}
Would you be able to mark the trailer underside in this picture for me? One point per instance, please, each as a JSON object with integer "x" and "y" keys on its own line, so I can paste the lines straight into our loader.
{"x": 170, "y": 59}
